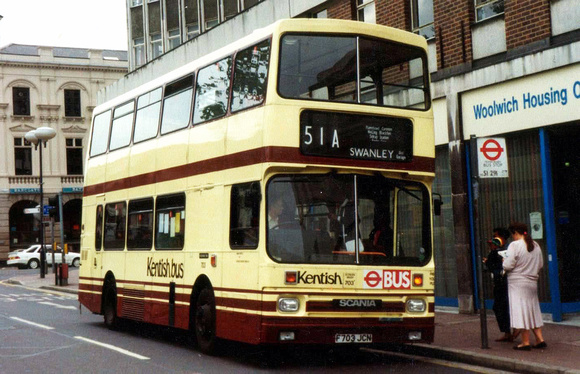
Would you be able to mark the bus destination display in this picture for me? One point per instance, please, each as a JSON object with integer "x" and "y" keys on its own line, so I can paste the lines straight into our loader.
{"x": 356, "y": 136}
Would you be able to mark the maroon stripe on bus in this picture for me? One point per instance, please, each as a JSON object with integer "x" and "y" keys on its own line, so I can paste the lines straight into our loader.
{"x": 255, "y": 305}
{"x": 252, "y": 157}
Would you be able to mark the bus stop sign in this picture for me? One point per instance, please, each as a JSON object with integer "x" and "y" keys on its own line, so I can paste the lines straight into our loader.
{"x": 492, "y": 158}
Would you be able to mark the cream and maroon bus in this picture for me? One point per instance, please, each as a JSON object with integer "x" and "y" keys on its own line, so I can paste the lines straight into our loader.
{"x": 276, "y": 191}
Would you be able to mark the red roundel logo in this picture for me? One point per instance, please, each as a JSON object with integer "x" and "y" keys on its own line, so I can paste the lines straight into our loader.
{"x": 372, "y": 279}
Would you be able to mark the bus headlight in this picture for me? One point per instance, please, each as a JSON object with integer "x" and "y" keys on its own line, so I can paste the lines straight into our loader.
{"x": 416, "y": 306}
{"x": 288, "y": 304}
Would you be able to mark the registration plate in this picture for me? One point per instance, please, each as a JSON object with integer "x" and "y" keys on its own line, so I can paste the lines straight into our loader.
{"x": 353, "y": 338}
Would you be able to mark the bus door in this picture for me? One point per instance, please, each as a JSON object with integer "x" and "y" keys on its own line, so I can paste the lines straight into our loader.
{"x": 241, "y": 258}
{"x": 139, "y": 245}
{"x": 96, "y": 260}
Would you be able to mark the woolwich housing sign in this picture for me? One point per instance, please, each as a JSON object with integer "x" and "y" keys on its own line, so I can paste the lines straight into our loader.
{"x": 535, "y": 101}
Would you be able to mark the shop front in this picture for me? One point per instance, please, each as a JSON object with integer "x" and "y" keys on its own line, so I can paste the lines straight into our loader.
{"x": 533, "y": 123}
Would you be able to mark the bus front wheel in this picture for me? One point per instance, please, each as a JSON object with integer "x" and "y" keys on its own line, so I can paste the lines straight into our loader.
{"x": 205, "y": 321}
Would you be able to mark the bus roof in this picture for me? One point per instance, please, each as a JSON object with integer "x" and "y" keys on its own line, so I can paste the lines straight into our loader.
{"x": 305, "y": 25}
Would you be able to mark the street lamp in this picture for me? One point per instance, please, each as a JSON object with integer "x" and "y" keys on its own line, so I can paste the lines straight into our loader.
{"x": 41, "y": 136}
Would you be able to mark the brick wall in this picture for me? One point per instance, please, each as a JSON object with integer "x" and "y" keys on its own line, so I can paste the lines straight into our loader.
{"x": 526, "y": 21}
{"x": 394, "y": 13}
{"x": 453, "y": 20}
{"x": 341, "y": 9}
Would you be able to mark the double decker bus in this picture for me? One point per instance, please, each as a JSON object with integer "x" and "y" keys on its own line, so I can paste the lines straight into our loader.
{"x": 276, "y": 191}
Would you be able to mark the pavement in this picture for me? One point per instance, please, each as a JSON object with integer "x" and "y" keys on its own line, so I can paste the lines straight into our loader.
{"x": 457, "y": 337}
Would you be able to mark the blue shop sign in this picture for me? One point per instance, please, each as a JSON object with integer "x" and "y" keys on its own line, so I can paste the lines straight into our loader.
{"x": 24, "y": 190}
{"x": 72, "y": 190}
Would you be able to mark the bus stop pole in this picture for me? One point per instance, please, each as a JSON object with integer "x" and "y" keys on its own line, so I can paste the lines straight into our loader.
{"x": 61, "y": 225}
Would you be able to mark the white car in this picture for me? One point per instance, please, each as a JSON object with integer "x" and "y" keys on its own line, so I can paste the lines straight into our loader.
{"x": 30, "y": 257}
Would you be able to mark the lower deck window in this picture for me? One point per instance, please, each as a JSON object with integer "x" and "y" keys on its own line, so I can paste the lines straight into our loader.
{"x": 170, "y": 225}
{"x": 114, "y": 236}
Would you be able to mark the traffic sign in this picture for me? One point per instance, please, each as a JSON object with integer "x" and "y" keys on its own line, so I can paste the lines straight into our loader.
{"x": 32, "y": 210}
{"x": 492, "y": 158}
{"x": 46, "y": 210}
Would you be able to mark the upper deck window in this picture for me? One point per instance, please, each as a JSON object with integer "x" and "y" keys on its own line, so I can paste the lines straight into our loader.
{"x": 212, "y": 91}
{"x": 122, "y": 125}
{"x": 353, "y": 69}
{"x": 177, "y": 105}
{"x": 147, "y": 119}
{"x": 100, "y": 137}
{"x": 250, "y": 76}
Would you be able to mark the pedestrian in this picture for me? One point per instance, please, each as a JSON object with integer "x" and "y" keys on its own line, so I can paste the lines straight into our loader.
{"x": 494, "y": 264}
{"x": 522, "y": 264}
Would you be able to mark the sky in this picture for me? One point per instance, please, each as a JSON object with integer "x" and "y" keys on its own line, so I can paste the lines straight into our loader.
{"x": 94, "y": 24}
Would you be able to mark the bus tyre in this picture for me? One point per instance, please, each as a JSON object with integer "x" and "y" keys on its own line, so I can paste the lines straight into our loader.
{"x": 205, "y": 321}
{"x": 110, "y": 308}
{"x": 33, "y": 264}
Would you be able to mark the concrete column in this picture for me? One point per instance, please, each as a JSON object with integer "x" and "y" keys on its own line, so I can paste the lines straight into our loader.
{"x": 460, "y": 203}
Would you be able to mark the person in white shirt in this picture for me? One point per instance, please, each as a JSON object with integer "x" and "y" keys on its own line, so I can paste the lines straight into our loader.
{"x": 522, "y": 264}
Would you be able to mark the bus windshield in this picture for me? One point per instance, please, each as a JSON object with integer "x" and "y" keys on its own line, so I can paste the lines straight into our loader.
{"x": 353, "y": 70}
{"x": 311, "y": 219}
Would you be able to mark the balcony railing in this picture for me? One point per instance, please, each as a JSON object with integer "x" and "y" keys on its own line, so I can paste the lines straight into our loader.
{"x": 27, "y": 181}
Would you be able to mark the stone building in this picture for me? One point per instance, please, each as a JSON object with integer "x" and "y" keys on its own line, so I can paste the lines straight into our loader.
{"x": 54, "y": 87}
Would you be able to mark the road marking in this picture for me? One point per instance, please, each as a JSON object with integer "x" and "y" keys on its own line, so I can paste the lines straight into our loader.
{"x": 58, "y": 305}
{"x": 32, "y": 323}
{"x": 112, "y": 347}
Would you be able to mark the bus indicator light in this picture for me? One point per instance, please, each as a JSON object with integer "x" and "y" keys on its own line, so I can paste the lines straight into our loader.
{"x": 213, "y": 260}
{"x": 417, "y": 280}
{"x": 291, "y": 277}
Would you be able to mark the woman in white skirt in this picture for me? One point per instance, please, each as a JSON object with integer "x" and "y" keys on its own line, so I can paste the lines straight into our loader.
{"x": 523, "y": 263}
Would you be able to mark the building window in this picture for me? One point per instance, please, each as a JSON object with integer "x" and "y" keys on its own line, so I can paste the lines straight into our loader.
{"x": 21, "y": 101}
{"x": 250, "y": 3}
{"x": 74, "y": 156}
{"x": 320, "y": 14}
{"x": 422, "y": 18}
{"x": 174, "y": 39}
{"x": 230, "y": 8}
{"x": 192, "y": 18}
{"x": 210, "y": 12}
{"x": 155, "y": 39}
{"x": 139, "y": 51}
{"x": 156, "y": 46}
{"x": 172, "y": 14}
{"x": 485, "y": 9}
{"x": 136, "y": 2}
{"x": 22, "y": 157}
{"x": 72, "y": 103}
{"x": 366, "y": 11}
